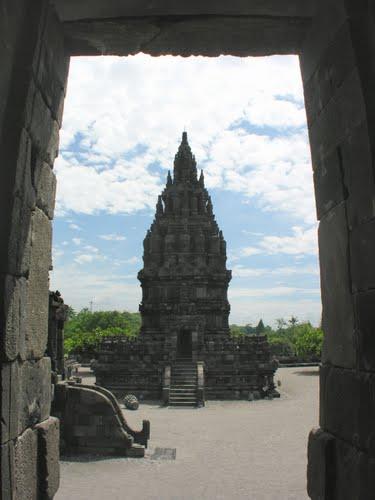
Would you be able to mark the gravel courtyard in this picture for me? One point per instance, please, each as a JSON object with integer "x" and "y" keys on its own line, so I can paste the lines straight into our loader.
{"x": 227, "y": 450}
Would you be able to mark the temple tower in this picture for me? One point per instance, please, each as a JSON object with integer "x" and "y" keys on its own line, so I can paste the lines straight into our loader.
{"x": 184, "y": 278}
{"x": 185, "y": 352}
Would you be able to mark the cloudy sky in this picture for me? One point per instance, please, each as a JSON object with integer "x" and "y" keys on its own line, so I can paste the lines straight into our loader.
{"x": 246, "y": 125}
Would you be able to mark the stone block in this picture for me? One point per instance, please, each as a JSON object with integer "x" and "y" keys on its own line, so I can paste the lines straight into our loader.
{"x": 340, "y": 402}
{"x": 17, "y": 256}
{"x": 44, "y": 130}
{"x": 328, "y": 183}
{"x": 348, "y": 476}
{"x": 14, "y": 312}
{"x": 367, "y": 476}
{"x": 26, "y": 466}
{"x": 45, "y": 185}
{"x": 365, "y": 314}
{"x": 9, "y": 385}
{"x": 327, "y": 22}
{"x": 362, "y": 246}
{"x": 48, "y": 454}
{"x": 365, "y": 435}
{"x": 357, "y": 164}
{"x": 38, "y": 285}
{"x": 7, "y": 470}
{"x": 338, "y": 309}
{"x": 320, "y": 468}
{"x": 335, "y": 64}
{"x": 34, "y": 392}
{"x": 343, "y": 113}
{"x": 25, "y": 396}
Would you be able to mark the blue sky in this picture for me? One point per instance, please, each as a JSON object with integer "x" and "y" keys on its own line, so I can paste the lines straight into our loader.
{"x": 246, "y": 125}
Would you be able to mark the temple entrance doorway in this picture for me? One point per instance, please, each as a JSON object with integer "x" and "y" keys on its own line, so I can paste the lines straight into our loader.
{"x": 184, "y": 344}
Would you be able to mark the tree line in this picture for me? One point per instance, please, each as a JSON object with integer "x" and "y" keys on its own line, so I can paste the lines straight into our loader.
{"x": 291, "y": 340}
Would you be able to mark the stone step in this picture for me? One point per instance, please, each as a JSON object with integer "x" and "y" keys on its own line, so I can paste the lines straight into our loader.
{"x": 183, "y": 405}
{"x": 183, "y": 381}
{"x": 184, "y": 369}
{"x": 192, "y": 372}
{"x": 183, "y": 399}
{"x": 178, "y": 391}
{"x": 183, "y": 386}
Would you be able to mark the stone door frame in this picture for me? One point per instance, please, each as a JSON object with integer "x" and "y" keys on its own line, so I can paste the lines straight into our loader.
{"x": 335, "y": 42}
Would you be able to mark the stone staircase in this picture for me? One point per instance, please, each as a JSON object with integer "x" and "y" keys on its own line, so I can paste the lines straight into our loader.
{"x": 183, "y": 389}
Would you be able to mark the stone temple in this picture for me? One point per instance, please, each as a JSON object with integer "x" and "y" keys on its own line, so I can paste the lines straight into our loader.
{"x": 185, "y": 353}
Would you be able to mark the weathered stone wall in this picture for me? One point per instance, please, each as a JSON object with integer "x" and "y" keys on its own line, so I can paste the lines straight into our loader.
{"x": 92, "y": 422}
{"x": 236, "y": 368}
{"x": 232, "y": 367}
{"x": 338, "y": 69}
{"x": 32, "y": 86}
{"x": 131, "y": 367}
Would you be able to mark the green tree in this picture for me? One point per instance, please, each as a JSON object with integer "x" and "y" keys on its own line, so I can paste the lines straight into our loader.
{"x": 308, "y": 341}
{"x": 85, "y": 330}
{"x": 237, "y": 331}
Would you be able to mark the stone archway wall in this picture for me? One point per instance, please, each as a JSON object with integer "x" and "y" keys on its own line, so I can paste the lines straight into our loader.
{"x": 338, "y": 70}
{"x": 34, "y": 68}
{"x": 337, "y": 48}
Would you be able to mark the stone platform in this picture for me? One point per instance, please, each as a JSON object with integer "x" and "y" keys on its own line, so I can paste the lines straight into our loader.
{"x": 228, "y": 450}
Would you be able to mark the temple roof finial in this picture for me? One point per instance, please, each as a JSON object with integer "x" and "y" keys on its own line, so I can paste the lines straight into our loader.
{"x": 185, "y": 167}
{"x": 201, "y": 179}
{"x": 169, "y": 178}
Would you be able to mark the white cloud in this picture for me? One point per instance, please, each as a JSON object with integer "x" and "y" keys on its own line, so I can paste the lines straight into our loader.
{"x": 107, "y": 291}
{"x": 303, "y": 241}
{"x": 84, "y": 258}
{"x": 75, "y": 227}
{"x": 277, "y": 291}
{"x": 57, "y": 252}
{"x": 248, "y": 251}
{"x": 132, "y": 260}
{"x": 122, "y": 132}
{"x": 112, "y": 237}
{"x": 274, "y": 170}
{"x": 87, "y": 255}
{"x": 90, "y": 248}
{"x": 251, "y": 233}
{"x": 77, "y": 241}
{"x": 127, "y": 187}
{"x": 240, "y": 271}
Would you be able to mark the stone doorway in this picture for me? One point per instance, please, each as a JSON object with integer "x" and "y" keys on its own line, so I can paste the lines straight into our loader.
{"x": 335, "y": 41}
{"x": 184, "y": 344}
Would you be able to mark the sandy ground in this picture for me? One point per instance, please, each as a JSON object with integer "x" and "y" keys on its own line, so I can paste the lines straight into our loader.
{"x": 227, "y": 450}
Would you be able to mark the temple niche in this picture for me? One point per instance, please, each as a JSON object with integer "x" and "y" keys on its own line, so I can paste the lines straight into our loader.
{"x": 185, "y": 353}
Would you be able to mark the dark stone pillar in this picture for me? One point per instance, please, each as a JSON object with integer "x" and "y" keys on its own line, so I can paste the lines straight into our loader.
{"x": 338, "y": 69}
{"x": 33, "y": 76}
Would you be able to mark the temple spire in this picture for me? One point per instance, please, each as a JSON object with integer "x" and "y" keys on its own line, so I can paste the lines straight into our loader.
{"x": 159, "y": 206}
{"x": 169, "y": 178}
{"x": 185, "y": 167}
{"x": 201, "y": 179}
